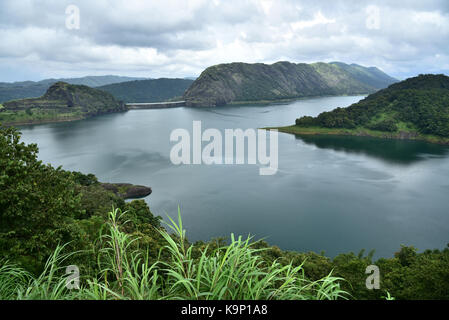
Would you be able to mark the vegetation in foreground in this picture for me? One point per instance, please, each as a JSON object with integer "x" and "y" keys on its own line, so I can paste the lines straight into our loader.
{"x": 51, "y": 218}
{"x": 415, "y": 109}
{"x": 232, "y": 272}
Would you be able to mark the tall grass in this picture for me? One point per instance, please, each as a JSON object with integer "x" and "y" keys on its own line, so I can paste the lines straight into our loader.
{"x": 16, "y": 283}
{"x": 235, "y": 271}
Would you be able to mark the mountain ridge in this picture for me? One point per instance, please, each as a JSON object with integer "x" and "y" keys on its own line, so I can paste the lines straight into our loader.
{"x": 31, "y": 89}
{"x": 239, "y": 82}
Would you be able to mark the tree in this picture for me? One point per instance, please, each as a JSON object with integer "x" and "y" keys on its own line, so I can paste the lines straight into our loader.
{"x": 37, "y": 203}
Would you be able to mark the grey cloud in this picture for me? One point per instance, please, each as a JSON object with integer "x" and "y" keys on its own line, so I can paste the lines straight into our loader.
{"x": 181, "y": 38}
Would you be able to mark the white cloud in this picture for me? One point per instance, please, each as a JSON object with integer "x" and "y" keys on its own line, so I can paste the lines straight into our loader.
{"x": 317, "y": 20}
{"x": 174, "y": 38}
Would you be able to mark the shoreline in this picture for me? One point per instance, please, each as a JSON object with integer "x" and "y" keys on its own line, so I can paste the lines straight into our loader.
{"x": 361, "y": 132}
{"x": 276, "y": 101}
{"x": 289, "y": 100}
{"x": 173, "y": 106}
{"x": 34, "y": 122}
{"x": 47, "y": 121}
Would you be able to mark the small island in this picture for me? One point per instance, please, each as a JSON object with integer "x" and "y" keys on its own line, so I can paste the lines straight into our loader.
{"x": 414, "y": 109}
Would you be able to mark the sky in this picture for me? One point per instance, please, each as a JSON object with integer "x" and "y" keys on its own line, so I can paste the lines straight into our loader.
{"x": 173, "y": 38}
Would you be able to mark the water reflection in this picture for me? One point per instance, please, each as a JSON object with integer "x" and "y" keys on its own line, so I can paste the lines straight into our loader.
{"x": 392, "y": 151}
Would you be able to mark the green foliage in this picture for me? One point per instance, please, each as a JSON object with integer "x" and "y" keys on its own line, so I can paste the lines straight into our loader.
{"x": 84, "y": 179}
{"x": 388, "y": 125}
{"x": 240, "y": 269}
{"x": 407, "y": 276}
{"x": 139, "y": 214}
{"x": 12, "y": 280}
{"x": 37, "y": 202}
{"x": 406, "y": 255}
{"x": 235, "y": 271}
{"x": 422, "y": 102}
{"x": 42, "y": 206}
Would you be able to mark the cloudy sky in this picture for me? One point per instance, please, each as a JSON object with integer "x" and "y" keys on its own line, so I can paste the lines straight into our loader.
{"x": 174, "y": 38}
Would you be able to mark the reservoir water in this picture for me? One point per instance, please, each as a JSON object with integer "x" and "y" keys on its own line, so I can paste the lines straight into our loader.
{"x": 331, "y": 194}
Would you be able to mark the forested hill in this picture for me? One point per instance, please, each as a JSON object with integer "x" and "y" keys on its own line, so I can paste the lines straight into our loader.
{"x": 154, "y": 90}
{"x": 242, "y": 83}
{"x": 61, "y": 102}
{"x": 32, "y": 89}
{"x": 416, "y": 108}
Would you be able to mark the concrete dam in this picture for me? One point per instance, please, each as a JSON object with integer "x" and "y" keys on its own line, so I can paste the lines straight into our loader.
{"x": 156, "y": 105}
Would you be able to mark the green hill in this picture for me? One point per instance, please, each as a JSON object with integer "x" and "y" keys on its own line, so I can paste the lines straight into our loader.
{"x": 61, "y": 102}
{"x": 416, "y": 108}
{"x": 154, "y": 90}
{"x": 32, "y": 89}
{"x": 371, "y": 76}
{"x": 245, "y": 83}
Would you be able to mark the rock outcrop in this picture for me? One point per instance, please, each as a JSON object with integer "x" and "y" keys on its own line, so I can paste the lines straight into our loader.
{"x": 127, "y": 190}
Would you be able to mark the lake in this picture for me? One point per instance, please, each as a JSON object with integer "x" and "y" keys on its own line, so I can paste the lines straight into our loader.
{"x": 331, "y": 194}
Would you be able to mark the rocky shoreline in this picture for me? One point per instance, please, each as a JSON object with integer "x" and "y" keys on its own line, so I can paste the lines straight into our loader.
{"x": 127, "y": 190}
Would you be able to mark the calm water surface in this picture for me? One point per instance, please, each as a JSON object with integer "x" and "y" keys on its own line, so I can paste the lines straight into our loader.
{"x": 332, "y": 194}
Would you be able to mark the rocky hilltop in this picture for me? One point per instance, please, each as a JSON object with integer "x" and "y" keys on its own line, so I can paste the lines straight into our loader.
{"x": 61, "y": 102}
{"x": 245, "y": 83}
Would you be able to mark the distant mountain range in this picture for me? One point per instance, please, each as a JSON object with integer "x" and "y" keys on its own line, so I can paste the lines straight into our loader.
{"x": 226, "y": 83}
{"x": 246, "y": 83}
{"x": 153, "y": 90}
{"x": 31, "y": 89}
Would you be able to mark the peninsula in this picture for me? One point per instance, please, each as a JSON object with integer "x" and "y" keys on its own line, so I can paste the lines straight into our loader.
{"x": 415, "y": 109}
